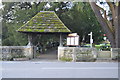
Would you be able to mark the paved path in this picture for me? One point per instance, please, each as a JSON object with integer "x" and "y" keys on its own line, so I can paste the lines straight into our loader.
{"x": 28, "y": 69}
{"x": 50, "y": 55}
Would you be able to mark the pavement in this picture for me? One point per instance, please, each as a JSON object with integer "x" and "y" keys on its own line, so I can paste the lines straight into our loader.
{"x": 33, "y": 69}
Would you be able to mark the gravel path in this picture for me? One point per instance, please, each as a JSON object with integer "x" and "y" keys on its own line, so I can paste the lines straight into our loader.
{"x": 50, "y": 55}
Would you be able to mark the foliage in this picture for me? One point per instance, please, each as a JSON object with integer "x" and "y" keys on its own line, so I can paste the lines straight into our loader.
{"x": 81, "y": 19}
{"x": 108, "y": 18}
{"x": 19, "y": 56}
{"x": 15, "y": 14}
{"x": 66, "y": 59}
{"x": 104, "y": 47}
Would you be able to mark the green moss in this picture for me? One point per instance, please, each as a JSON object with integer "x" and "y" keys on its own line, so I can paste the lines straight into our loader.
{"x": 66, "y": 59}
{"x": 46, "y": 21}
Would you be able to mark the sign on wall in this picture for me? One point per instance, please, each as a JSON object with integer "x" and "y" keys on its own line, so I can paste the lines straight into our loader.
{"x": 73, "y": 39}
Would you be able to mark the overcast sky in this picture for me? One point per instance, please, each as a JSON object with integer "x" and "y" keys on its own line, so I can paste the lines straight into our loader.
{"x": 0, "y": 3}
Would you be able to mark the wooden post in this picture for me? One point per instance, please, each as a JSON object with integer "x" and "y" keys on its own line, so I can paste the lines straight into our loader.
{"x": 30, "y": 40}
{"x": 61, "y": 43}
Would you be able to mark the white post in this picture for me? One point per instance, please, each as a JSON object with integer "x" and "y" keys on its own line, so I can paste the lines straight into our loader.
{"x": 91, "y": 40}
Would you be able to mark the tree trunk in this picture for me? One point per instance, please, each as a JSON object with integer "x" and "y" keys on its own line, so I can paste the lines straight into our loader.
{"x": 104, "y": 24}
{"x": 117, "y": 25}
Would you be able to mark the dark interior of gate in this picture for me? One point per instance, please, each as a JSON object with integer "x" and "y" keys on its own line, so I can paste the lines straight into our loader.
{"x": 46, "y": 47}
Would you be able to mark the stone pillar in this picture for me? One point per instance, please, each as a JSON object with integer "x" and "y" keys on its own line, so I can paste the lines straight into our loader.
{"x": 74, "y": 54}
{"x": 30, "y": 40}
{"x": 29, "y": 52}
{"x": 114, "y": 53}
{"x": 30, "y": 44}
{"x": 94, "y": 52}
{"x": 61, "y": 43}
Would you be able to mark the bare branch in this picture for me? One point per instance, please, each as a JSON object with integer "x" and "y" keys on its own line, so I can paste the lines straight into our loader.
{"x": 112, "y": 8}
{"x": 105, "y": 17}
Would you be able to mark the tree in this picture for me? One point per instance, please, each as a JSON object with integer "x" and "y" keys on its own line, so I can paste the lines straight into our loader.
{"x": 110, "y": 26}
{"x": 15, "y": 14}
{"x": 79, "y": 18}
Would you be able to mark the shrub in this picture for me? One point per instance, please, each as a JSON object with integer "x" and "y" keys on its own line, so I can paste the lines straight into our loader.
{"x": 66, "y": 59}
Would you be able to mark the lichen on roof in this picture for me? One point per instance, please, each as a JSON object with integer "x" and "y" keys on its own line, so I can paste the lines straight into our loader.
{"x": 44, "y": 22}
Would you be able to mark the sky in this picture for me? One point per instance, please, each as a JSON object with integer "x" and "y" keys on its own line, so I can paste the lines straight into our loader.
{"x": 105, "y": 6}
{"x": 0, "y": 4}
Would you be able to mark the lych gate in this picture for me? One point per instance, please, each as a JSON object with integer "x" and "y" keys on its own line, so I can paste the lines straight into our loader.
{"x": 45, "y": 22}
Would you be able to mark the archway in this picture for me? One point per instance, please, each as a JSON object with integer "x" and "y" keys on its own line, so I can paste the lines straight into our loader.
{"x": 44, "y": 23}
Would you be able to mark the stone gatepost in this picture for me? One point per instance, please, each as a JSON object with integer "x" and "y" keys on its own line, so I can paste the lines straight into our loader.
{"x": 74, "y": 54}
{"x": 94, "y": 52}
{"x": 114, "y": 53}
{"x": 29, "y": 52}
{"x": 60, "y": 52}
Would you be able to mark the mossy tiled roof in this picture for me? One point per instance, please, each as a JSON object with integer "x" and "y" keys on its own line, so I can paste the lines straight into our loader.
{"x": 44, "y": 22}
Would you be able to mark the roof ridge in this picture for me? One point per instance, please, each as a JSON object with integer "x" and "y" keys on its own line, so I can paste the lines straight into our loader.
{"x": 47, "y": 11}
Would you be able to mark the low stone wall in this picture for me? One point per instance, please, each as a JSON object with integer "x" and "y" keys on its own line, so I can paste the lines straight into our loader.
{"x": 104, "y": 54}
{"x": 76, "y": 54}
{"x": 113, "y": 54}
{"x": 9, "y": 52}
{"x": 64, "y": 53}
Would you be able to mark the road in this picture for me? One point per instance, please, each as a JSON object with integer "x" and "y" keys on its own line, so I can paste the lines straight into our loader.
{"x": 28, "y": 69}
